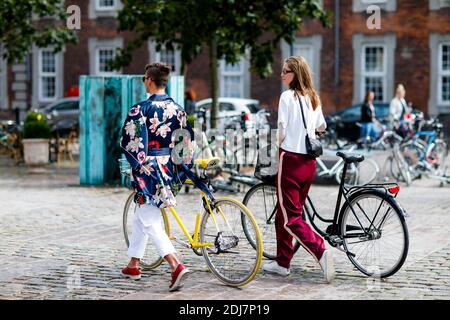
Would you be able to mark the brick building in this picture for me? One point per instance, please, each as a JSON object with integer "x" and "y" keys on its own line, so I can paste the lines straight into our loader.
{"x": 411, "y": 47}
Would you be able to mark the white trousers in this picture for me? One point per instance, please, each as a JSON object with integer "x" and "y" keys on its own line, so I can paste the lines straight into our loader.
{"x": 148, "y": 223}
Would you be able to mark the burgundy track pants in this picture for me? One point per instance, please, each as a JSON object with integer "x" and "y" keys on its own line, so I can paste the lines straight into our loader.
{"x": 295, "y": 176}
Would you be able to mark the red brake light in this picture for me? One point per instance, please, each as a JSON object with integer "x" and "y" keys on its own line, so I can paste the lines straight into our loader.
{"x": 394, "y": 190}
{"x": 246, "y": 117}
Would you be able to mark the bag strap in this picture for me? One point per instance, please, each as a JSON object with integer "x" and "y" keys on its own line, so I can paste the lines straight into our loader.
{"x": 301, "y": 109}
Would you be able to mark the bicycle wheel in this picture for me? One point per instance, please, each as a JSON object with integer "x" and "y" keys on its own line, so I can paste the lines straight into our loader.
{"x": 437, "y": 153}
{"x": 233, "y": 260}
{"x": 262, "y": 199}
{"x": 375, "y": 233}
{"x": 151, "y": 259}
{"x": 400, "y": 169}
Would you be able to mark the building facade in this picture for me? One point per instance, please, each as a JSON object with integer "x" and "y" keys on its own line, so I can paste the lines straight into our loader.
{"x": 411, "y": 46}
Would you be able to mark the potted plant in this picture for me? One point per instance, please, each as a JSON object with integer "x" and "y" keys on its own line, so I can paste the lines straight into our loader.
{"x": 36, "y": 137}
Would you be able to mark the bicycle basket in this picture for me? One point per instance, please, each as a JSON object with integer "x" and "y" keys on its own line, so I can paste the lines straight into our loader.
{"x": 124, "y": 166}
{"x": 267, "y": 164}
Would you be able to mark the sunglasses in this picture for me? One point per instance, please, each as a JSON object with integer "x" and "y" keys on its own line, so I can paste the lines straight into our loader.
{"x": 284, "y": 71}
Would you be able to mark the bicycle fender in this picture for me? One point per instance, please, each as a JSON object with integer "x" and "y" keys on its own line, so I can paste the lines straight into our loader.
{"x": 376, "y": 191}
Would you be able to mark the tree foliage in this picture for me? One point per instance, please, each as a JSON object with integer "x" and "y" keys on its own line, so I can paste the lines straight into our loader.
{"x": 233, "y": 27}
{"x": 20, "y": 27}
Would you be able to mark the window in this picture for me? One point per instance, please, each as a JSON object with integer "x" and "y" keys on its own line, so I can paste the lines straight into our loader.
{"x": 104, "y": 55}
{"x": 374, "y": 66}
{"x": 101, "y": 51}
{"x": 104, "y": 8}
{"x": 308, "y": 47}
{"x": 105, "y": 4}
{"x": 232, "y": 79}
{"x": 374, "y": 72}
{"x": 362, "y": 5}
{"x": 223, "y": 106}
{"x": 444, "y": 74}
{"x": 47, "y": 75}
{"x": 172, "y": 57}
{"x": 438, "y": 4}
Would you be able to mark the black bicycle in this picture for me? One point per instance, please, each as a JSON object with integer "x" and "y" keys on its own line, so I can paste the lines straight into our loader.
{"x": 369, "y": 227}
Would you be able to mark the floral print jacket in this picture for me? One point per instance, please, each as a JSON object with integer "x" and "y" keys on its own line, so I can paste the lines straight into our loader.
{"x": 149, "y": 135}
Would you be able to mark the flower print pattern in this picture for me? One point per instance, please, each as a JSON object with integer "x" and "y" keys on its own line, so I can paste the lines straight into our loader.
{"x": 130, "y": 129}
{"x": 154, "y": 122}
{"x": 163, "y": 130}
{"x": 169, "y": 111}
{"x": 141, "y": 157}
{"x": 135, "y": 144}
{"x": 150, "y": 125}
{"x": 134, "y": 111}
{"x": 142, "y": 120}
{"x": 181, "y": 116}
{"x": 159, "y": 104}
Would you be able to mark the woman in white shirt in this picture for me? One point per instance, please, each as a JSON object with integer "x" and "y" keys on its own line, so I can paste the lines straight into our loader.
{"x": 296, "y": 169}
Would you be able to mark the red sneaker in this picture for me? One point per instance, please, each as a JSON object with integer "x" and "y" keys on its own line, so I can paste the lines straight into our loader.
{"x": 179, "y": 276}
{"x": 132, "y": 273}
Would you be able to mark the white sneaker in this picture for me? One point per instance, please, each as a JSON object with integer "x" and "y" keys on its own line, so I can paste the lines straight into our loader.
{"x": 326, "y": 263}
{"x": 274, "y": 267}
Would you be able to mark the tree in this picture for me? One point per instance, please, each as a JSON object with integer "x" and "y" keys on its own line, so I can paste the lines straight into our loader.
{"x": 227, "y": 27}
{"x": 19, "y": 30}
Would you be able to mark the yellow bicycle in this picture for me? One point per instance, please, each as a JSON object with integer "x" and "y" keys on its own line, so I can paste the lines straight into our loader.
{"x": 226, "y": 234}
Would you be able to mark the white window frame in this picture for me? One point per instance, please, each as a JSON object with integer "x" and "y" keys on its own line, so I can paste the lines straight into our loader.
{"x": 365, "y": 73}
{"x": 97, "y": 61}
{"x": 438, "y": 4}
{"x": 442, "y": 73}
{"x": 241, "y": 73}
{"x": 155, "y": 56}
{"x": 98, "y": 7}
{"x": 95, "y": 45}
{"x": 315, "y": 42}
{"x": 362, "y": 5}
{"x": 96, "y": 11}
{"x": 42, "y": 74}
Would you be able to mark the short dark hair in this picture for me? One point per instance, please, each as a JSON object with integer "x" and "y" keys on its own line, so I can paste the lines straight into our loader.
{"x": 159, "y": 72}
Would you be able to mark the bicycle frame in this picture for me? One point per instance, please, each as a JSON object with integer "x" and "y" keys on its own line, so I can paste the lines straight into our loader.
{"x": 193, "y": 240}
{"x": 332, "y": 171}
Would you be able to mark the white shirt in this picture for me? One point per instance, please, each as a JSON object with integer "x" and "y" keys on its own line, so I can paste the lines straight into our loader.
{"x": 290, "y": 118}
{"x": 396, "y": 108}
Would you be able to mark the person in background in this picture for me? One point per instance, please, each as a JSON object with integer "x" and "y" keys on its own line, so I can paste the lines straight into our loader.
{"x": 189, "y": 101}
{"x": 368, "y": 118}
{"x": 397, "y": 110}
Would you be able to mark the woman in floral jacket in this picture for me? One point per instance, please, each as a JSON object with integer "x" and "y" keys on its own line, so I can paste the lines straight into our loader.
{"x": 151, "y": 143}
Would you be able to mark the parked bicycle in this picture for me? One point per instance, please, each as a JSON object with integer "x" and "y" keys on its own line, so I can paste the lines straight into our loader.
{"x": 218, "y": 236}
{"x": 369, "y": 226}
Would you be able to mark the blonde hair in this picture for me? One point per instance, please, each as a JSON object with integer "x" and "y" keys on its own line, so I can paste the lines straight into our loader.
{"x": 303, "y": 81}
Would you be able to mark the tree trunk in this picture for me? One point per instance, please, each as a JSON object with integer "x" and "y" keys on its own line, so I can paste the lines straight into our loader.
{"x": 214, "y": 81}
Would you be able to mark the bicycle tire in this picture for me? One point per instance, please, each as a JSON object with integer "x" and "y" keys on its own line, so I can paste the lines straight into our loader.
{"x": 254, "y": 198}
{"x": 399, "y": 162}
{"x": 350, "y": 229}
{"x": 437, "y": 153}
{"x": 151, "y": 259}
{"x": 236, "y": 271}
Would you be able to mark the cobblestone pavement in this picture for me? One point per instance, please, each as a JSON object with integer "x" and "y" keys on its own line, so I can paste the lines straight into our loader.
{"x": 60, "y": 240}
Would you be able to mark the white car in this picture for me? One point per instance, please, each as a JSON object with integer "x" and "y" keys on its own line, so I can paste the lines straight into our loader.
{"x": 232, "y": 110}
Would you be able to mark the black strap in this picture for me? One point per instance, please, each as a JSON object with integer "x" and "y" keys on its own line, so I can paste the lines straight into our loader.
{"x": 301, "y": 109}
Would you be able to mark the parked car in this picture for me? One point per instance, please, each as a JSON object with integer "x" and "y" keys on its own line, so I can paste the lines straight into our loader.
{"x": 346, "y": 120}
{"x": 232, "y": 109}
{"x": 63, "y": 115}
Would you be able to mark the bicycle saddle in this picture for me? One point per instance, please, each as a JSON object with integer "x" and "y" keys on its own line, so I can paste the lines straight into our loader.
{"x": 209, "y": 163}
{"x": 350, "y": 157}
